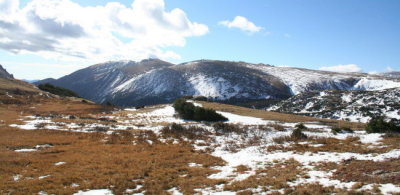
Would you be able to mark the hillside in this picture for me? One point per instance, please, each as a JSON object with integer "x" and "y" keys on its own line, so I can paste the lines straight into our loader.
{"x": 52, "y": 145}
{"x": 356, "y": 106}
{"x": 150, "y": 82}
{"x": 4, "y": 73}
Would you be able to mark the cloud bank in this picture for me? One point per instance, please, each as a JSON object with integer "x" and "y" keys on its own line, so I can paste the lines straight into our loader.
{"x": 65, "y": 30}
{"x": 342, "y": 68}
{"x": 242, "y": 23}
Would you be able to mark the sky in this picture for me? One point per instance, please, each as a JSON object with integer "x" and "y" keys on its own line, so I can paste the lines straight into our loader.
{"x": 53, "y": 38}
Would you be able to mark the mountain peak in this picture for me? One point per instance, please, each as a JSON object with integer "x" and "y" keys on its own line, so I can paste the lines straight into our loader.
{"x": 4, "y": 73}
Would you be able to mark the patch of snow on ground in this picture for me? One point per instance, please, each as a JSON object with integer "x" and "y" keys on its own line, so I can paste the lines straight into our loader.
{"x": 95, "y": 192}
{"x": 174, "y": 191}
{"x": 25, "y": 150}
{"x": 245, "y": 120}
{"x": 59, "y": 163}
{"x": 17, "y": 177}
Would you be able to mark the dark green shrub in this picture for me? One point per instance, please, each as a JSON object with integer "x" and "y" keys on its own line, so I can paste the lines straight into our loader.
{"x": 300, "y": 126}
{"x": 379, "y": 125}
{"x": 298, "y": 134}
{"x": 200, "y": 98}
{"x": 336, "y": 130}
{"x": 57, "y": 90}
{"x": 188, "y": 111}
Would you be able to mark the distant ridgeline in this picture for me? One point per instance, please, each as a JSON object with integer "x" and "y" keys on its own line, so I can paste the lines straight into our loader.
{"x": 153, "y": 81}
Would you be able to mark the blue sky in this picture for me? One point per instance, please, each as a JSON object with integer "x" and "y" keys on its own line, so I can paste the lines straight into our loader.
{"x": 362, "y": 34}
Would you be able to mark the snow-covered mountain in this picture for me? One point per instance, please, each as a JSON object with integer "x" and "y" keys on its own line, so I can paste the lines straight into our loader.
{"x": 355, "y": 106}
{"x": 393, "y": 74}
{"x": 152, "y": 81}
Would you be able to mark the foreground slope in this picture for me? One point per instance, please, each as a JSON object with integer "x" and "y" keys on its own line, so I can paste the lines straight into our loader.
{"x": 52, "y": 145}
{"x": 154, "y": 81}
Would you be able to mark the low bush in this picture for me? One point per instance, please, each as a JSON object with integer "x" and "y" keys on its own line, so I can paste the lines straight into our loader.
{"x": 221, "y": 127}
{"x": 380, "y": 125}
{"x": 57, "y": 90}
{"x": 99, "y": 129}
{"x": 297, "y": 133}
{"x": 179, "y": 131}
{"x": 336, "y": 130}
{"x": 188, "y": 111}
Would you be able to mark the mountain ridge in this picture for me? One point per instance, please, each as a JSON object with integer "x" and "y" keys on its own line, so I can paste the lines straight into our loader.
{"x": 153, "y": 81}
{"x": 4, "y": 73}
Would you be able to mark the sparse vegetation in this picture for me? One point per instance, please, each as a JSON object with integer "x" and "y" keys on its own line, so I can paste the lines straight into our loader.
{"x": 57, "y": 90}
{"x": 222, "y": 128}
{"x": 179, "y": 131}
{"x": 188, "y": 111}
{"x": 380, "y": 125}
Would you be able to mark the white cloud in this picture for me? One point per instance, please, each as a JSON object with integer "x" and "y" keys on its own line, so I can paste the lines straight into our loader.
{"x": 65, "y": 30}
{"x": 241, "y": 23}
{"x": 389, "y": 69}
{"x": 342, "y": 68}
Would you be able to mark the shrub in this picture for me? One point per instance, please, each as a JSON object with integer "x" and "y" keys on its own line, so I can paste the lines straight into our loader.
{"x": 221, "y": 127}
{"x": 188, "y": 111}
{"x": 200, "y": 98}
{"x": 298, "y": 134}
{"x": 336, "y": 130}
{"x": 57, "y": 90}
{"x": 278, "y": 127}
{"x": 99, "y": 129}
{"x": 300, "y": 126}
{"x": 178, "y": 131}
{"x": 379, "y": 125}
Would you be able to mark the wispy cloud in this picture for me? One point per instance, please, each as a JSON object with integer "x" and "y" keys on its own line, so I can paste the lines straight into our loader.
{"x": 241, "y": 23}
{"x": 342, "y": 68}
{"x": 389, "y": 69}
{"x": 65, "y": 30}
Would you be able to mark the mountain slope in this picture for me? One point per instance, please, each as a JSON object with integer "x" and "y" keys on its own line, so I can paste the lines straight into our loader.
{"x": 95, "y": 82}
{"x": 152, "y": 81}
{"x": 4, "y": 73}
{"x": 356, "y": 106}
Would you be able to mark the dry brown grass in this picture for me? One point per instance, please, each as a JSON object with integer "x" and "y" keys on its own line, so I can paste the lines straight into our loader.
{"x": 318, "y": 189}
{"x": 13, "y": 86}
{"x": 93, "y": 160}
{"x": 275, "y": 116}
{"x": 93, "y": 164}
{"x": 351, "y": 144}
{"x": 364, "y": 171}
{"x": 273, "y": 176}
{"x": 369, "y": 171}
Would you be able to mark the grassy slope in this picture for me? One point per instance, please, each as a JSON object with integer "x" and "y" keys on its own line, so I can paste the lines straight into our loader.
{"x": 10, "y": 85}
